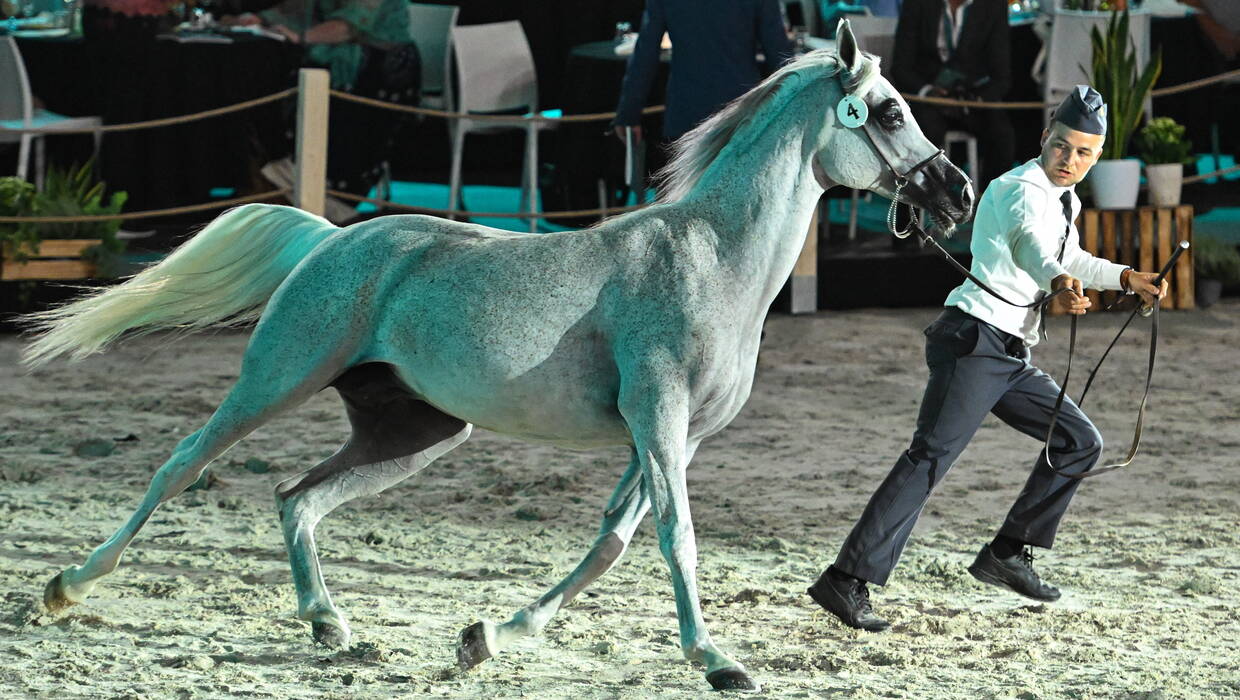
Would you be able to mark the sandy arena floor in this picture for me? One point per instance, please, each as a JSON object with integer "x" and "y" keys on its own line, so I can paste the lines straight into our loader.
{"x": 203, "y": 604}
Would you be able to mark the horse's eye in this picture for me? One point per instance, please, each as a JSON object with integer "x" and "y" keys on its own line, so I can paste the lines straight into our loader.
{"x": 892, "y": 120}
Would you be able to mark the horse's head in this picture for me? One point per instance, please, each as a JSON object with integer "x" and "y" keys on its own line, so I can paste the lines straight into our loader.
{"x": 872, "y": 143}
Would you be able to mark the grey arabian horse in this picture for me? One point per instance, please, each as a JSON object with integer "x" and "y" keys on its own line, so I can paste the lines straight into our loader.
{"x": 640, "y": 331}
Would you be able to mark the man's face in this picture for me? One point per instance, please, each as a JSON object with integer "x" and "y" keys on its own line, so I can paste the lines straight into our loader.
{"x": 1067, "y": 154}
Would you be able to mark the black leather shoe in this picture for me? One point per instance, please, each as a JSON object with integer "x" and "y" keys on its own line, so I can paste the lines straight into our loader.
{"x": 848, "y": 599}
{"x": 1015, "y": 573}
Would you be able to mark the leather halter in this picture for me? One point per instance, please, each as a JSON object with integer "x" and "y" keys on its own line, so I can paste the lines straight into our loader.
{"x": 903, "y": 166}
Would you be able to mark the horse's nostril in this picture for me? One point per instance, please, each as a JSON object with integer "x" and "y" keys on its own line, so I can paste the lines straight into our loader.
{"x": 964, "y": 192}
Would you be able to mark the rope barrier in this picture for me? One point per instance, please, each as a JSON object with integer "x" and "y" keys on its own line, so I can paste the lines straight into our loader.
{"x": 512, "y": 119}
{"x": 448, "y": 213}
{"x": 1207, "y": 176}
{"x": 1160, "y": 92}
{"x": 148, "y": 214}
{"x": 165, "y": 121}
{"x": 508, "y": 118}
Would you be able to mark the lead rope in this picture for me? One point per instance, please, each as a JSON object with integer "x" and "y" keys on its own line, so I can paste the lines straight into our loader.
{"x": 1149, "y": 375}
{"x": 913, "y": 213}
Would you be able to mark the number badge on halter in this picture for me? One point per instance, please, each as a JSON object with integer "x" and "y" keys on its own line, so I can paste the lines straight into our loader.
{"x": 852, "y": 111}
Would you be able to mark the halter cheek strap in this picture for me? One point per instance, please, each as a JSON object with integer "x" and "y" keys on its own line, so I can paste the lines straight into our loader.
{"x": 853, "y": 113}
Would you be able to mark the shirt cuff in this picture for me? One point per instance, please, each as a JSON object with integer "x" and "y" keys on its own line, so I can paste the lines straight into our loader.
{"x": 1109, "y": 279}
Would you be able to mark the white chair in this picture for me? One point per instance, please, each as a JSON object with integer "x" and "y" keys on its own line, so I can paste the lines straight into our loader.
{"x": 431, "y": 29}
{"x": 970, "y": 149}
{"x": 495, "y": 75}
{"x": 1068, "y": 54}
{"x": 17, "y": 111}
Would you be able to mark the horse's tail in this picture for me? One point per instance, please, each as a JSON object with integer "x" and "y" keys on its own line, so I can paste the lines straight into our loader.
{"x": 224, "y": 275}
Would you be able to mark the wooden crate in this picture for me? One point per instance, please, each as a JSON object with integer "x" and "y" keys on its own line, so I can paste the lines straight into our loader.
{"x": 57, "y": 259}
{"x": 1143, "y": 239}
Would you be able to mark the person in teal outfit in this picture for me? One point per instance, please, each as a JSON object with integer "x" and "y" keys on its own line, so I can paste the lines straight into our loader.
{"x": 367, "y": 47}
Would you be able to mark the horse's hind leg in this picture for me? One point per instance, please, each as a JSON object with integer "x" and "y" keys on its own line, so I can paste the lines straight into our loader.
{"x": 629, "y": 503}
{"x": 251, "y": 402}
{"x": 394, "y": 436}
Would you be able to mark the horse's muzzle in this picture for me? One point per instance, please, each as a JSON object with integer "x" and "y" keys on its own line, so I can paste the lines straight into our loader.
{"x": 943, "y": 190}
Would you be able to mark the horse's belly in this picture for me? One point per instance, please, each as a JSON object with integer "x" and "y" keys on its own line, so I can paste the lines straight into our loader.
{"x": 534, "y": 411}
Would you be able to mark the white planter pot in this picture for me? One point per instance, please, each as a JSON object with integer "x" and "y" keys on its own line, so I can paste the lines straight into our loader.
{"x": 1115, "y": 183}
{"x": 1165, "y": 182}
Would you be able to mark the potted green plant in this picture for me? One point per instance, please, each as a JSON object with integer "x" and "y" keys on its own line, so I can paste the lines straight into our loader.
{"x": 1216, "y": 263}
{"x": 72, "y": 192}
{"x": 1116, "y": 180}
{"x": 1165, "y": 151}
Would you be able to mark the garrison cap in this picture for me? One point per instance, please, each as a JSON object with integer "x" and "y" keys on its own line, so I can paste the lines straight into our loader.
{"x": 1083, "y": 110}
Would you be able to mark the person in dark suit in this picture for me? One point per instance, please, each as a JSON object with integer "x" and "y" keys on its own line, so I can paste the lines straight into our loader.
{"x": 958, "y": 48}
{"x": 713, "y": 60}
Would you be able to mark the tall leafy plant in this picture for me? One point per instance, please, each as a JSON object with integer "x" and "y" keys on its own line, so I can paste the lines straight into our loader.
{"x": 1115, "y": 75}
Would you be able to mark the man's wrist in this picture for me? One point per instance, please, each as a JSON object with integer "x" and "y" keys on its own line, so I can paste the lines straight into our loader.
{"x": 1124, "y": 282}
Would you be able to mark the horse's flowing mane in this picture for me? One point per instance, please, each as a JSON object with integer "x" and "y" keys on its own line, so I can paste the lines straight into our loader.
{"x": 693, "y": 153}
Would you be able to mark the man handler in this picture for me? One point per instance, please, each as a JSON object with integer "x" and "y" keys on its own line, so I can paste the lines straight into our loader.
{"x": 1024, "y": 245}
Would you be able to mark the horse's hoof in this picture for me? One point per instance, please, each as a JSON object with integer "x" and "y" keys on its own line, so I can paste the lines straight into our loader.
{"x": 472, "y": 648}
{"x": 330, "y": 635}
{"x": 731, "y": 679}
{"x": 54, "y": 598}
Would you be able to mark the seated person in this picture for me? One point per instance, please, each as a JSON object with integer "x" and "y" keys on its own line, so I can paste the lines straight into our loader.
{"x": 368, "y": 49}
{"x": 958, "y": 49}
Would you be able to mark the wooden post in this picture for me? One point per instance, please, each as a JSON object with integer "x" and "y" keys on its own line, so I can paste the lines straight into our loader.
{"x": 1108, "y": 245}
{"x": 1124, "y": 235}
{"x": 804, "y": 281}
{"x": 1165, "y": 235}
{"x": 310, "y": 173}
{"x": 1183, "y": 277}
{"x": 1148, "y": 234}
{"x": 1090, "y": 244}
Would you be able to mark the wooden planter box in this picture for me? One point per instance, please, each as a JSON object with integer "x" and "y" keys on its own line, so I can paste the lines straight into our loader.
{"x": 57, "y": 259}
{"x": 1142, "y": 238}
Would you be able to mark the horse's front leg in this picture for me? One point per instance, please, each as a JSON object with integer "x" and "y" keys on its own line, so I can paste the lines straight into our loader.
{"x": 482, "y": 640}
{"x": 659, "y": 421}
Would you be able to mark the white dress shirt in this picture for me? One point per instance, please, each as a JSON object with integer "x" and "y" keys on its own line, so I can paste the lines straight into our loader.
{"x": 1017, "y": 233}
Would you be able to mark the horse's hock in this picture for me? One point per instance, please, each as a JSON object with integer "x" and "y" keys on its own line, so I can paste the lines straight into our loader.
{"x": 56, "y": 259}
{"x": 1144, "y": 239}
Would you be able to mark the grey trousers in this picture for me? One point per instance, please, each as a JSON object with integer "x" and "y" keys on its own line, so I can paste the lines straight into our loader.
{"x": 975, "y": 368}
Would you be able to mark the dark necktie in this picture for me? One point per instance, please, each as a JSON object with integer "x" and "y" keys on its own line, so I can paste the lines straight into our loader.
{"x": 1066, "y": 198}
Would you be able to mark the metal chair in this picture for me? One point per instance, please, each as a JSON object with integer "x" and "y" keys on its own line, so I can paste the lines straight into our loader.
{"x": 17, "y": 111}
{"x": 970, "y": 146}
{"x": 495, "y": 75}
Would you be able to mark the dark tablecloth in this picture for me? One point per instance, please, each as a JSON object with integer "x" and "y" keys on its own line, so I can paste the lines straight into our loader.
{"x": 139, "y": 80}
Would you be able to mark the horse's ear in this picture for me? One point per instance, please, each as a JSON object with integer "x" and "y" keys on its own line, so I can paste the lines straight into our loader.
{"x": 846, "y": 46}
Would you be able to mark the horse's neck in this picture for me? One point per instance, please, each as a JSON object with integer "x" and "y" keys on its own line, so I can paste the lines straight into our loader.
{"x": 761, "y": 192}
